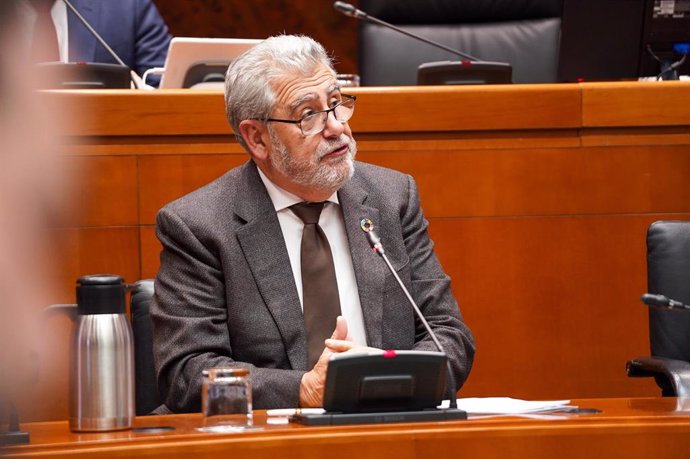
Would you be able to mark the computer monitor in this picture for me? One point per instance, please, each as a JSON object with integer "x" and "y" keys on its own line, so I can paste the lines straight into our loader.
{"x": 608, "y": 39}
{"x": 201, "y": 62}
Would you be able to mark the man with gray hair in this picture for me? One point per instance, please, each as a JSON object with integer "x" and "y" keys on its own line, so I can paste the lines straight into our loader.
{"x": 267, "y": 267}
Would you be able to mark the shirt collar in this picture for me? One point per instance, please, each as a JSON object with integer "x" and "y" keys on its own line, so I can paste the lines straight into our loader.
{"x": 283, "y": 199}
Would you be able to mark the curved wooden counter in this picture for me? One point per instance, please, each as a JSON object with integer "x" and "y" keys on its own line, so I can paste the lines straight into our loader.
{"x": 629, "y": 428}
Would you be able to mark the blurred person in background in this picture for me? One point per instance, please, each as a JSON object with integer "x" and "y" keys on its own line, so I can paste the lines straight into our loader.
{"x": 31, "y": 186}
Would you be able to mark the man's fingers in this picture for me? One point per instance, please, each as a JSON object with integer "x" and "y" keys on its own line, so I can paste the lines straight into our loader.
{"x": 339, "y": 345}
{"x": 340, "y": 331}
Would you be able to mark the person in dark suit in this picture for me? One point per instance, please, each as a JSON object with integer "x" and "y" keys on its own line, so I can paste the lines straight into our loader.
{"x": 134, "y": 29}
{"x": 231, "y": 288}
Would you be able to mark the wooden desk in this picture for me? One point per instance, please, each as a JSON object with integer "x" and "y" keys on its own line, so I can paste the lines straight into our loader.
{"x": 625, "y": 428}
{"x": 538, "y": 198}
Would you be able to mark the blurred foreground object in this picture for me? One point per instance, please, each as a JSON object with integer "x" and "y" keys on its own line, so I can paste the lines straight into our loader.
{"x": 31, "y": 187}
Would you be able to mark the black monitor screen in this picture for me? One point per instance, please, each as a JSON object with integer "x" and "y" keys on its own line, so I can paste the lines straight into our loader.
{"x": 608, "y": 39}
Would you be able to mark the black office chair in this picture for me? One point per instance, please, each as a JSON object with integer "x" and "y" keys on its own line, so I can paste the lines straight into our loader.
{"x": 668, "y": 274}
{"x": 147, "y": 397}
{"x": 523, "y": 33}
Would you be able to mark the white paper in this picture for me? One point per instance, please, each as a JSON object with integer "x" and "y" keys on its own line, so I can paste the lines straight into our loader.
{"x": 507, "y": 405}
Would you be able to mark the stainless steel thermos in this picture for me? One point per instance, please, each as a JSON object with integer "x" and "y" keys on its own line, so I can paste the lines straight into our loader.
{"x": 102, "y": 360}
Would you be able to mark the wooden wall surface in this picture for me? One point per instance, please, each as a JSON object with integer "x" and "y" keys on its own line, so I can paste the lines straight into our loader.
{"x": 538, "y": 198}
{"x": 263, "y": 18}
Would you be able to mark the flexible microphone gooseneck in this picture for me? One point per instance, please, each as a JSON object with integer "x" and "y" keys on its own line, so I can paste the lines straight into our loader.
{"x": 349, "y": 10}
{"x": 136, "y": 79}
{"x": 367, "y": 226}
{"x": 660, "y": 301}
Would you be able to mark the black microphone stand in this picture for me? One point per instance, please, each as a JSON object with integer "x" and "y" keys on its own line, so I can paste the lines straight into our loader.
{"x": 14, "y": 435}
{"x": 375, "y": 243}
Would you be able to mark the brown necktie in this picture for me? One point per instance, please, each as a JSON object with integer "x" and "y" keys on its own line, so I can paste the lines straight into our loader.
{"x": 319, "y": 286}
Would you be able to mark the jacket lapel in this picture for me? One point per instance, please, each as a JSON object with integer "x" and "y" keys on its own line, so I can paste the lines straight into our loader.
{"x": 369, "y": 270}
{"x": 264, "y": 249}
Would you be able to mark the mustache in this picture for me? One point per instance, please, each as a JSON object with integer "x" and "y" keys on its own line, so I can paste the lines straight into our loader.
{"x": 332, "y": 145}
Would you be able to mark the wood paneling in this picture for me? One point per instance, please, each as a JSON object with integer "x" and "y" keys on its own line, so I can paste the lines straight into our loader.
{"x": 110, "y": 112}
{"x": 104, "y": 191}
{"x": 552, "y": 181}
{"x": 538, "y": 201}
{"x": 639, "y": 104}
{"x": 150, "y": 252}
{"x": 553, "y": 301}
{"x": 263, "y": 18}
{"x": 166, "y": 178}
{"x": 435, "y": 108}
{"x": 103, "y": 249}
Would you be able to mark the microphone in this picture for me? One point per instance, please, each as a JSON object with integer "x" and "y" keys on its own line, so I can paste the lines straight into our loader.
{"x": 660, "y": 301}
{"x": 136, "y": 79}
{"x": 441, "y": 72}
{"x": 367, "y": 226}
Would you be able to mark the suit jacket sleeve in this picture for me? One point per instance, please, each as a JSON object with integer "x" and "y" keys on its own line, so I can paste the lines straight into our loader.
{"x": 151, "y": 41}
{"x": 430, "y": 287}
{"x": 189, "y": 316}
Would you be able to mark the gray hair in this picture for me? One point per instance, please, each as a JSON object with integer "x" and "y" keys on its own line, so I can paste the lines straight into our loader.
{"x": 248, "y": 81}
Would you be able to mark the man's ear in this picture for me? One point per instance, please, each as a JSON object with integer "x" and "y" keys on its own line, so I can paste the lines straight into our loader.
{"x": 254, "y": 134}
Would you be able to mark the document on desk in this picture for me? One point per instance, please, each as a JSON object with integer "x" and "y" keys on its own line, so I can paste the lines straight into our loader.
{"x": 507, "y": 405}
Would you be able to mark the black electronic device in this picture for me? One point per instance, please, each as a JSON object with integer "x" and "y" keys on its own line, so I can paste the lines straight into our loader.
{"x": 387, "y": 381}
{"x": 82, "y": 75}
{"x": 470, "y": 70}
{"x": 623, "y": 39}
{"x": 391, "y": 386}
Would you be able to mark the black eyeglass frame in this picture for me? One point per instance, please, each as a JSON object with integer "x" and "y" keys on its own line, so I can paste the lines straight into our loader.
{"x": 346, "y": 98}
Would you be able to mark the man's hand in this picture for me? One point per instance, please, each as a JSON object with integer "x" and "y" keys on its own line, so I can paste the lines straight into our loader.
{"x": 311, "y": 387}
{"x": 314, "y": 381}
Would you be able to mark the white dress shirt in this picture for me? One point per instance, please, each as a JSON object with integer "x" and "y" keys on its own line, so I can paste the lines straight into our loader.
{"x": 58, "y": 13}
{"x": 333, "y": 225}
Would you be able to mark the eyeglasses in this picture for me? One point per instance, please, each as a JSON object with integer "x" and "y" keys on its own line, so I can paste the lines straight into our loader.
{"x": 314, "y": 123}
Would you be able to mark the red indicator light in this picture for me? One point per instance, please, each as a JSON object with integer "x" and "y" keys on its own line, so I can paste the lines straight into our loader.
{"x": 389, "y": 354}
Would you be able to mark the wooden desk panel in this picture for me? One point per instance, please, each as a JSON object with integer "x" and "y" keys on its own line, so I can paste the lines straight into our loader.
{"x": 553, "y": 302}
{"x": 636, "y": 104}
{"x": 630, "y": 428}
{"x": 537, "y": 195}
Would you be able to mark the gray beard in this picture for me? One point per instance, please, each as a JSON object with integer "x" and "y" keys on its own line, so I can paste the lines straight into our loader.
{"x": 313, "y": 174}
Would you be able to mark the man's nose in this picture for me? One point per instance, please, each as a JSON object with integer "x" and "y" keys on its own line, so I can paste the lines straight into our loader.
{"x": 333, "y": 127}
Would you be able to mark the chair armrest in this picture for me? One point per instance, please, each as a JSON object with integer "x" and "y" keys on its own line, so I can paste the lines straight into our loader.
{"x": 670, "y": 373}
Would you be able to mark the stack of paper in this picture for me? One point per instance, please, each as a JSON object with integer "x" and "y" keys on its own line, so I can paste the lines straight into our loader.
{"x": 507, "y": 405}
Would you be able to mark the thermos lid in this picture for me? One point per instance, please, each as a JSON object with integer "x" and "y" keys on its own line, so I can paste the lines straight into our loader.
{"x": 101, "y": 294}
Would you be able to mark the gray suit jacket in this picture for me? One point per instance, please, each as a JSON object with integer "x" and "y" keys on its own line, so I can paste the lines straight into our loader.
{"x": 225, "y": 291}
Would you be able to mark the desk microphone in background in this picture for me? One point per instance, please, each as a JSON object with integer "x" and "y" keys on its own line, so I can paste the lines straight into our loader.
{"x": 91, "y": 75}
{"x": 470, "y": 70}
{"x": 662, "y": 302}
{"x": 367, "y": 226}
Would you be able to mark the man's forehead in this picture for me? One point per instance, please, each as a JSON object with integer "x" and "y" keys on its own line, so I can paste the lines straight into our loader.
{"x": 293, "y": 90}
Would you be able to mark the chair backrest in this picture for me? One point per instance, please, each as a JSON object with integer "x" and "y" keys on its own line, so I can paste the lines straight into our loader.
{"x": 523, "y": 33}
{"x": 668, "y": 273}
{"x": 147, "y": 396}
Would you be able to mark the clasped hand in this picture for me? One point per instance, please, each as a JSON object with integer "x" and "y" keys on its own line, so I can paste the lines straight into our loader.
{"x": 314, "y": 381}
